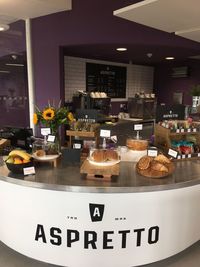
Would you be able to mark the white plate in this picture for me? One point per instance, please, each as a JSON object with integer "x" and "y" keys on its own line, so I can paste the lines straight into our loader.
{"x": 46, "y": 157}
{"x": 104, "y": 164}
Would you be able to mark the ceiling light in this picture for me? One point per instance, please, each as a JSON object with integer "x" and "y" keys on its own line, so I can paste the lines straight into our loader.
{"x": 169, "y": 58}
{"x": 15, "y": 64}
{"x": 121, "y": 49}
{"x": 4, "y": 27}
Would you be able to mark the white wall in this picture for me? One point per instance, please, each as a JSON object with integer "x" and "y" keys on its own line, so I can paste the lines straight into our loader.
{"x": 139, "y": 78}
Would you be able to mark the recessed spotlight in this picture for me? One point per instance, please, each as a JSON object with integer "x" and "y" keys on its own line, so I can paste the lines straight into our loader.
{"x": 169, "y": 58}
{"x": 121, "y": 49}
{"x": 4, "y": 27}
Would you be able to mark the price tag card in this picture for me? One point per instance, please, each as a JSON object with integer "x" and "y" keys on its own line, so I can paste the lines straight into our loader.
{"x": 198, "y": 155}
{"x": 182, "y": 130}
{"x": 114, "y": 138}
{"x": 51, "y": 138}
{"x": 152, "y": 152}
{"x": 105, "y": 133}
{"x": 194, "y": 130}
{"x": 189, "y": 156}
{"x": 172, "y": 153}
{"x": 178, "y": 130}
{"x": 77, "y": 146}
{"x": 188, "y": 130}
{"x": 29, "y": 170}
{"x": 183, "y": 156}
{"x": 138, "y": 127}
{"x": 45, "y": 131}
{"x": 179, "y": 157}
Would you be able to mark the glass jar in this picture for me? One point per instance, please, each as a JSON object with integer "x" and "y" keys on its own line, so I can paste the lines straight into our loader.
{"x": 43, "y": 148}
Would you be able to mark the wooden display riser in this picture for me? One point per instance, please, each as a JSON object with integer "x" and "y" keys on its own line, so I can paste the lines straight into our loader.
{"x": 54, "y": 162}
{"x": 99, "y": 173}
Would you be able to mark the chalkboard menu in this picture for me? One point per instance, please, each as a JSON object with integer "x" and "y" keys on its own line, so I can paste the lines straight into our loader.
{"x": 106, "y": 78}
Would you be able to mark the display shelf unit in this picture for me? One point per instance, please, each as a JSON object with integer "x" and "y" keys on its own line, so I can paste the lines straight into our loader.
{"x": 165, "y": 136}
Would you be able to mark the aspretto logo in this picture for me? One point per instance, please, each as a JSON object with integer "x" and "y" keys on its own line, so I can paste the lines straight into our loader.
{"x": 96, "y": 212}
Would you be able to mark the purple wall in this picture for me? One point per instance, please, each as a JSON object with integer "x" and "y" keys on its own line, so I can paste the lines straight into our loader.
{"x": 165, "y": 85}
{"x": 89, "y": 22}
{"x": 14, "y": 107}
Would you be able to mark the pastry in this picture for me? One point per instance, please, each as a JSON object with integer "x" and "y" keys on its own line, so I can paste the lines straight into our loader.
{"x": 111, "y": 155}
{"x": 157, "y": 166}
{"x": 162, "y": 159}
{"x": 135, "y": 144}
{"x": 144, "y": 162}
{"x": 99, "y": 155}
{"x": 40, "y": 153}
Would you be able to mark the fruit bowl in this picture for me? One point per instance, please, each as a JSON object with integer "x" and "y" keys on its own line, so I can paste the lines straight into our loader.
{"x": 18, "y": 168}
{"x": 17, "y": 160}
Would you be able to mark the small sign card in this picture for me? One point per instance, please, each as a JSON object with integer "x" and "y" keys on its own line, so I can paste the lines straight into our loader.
{"x": 152, "y": 152}
{"x": 189, "y": 156}
{"x": 77, "y": 146}
{"x": 45, "y": 131}
{"x": 182, "y": 130}
{"x": 189, "y": 130}
{"x": 198, "y": 155}
{"x": 183, "y": 156}
{"x": 178, "y": 130}
{"x": 105, "y": 133}
{"x": 29, "y": 170}
{"x": 51, "y": 138}
{"x": 172, "y": 153}
{"x": 138, "y": 127}
{"x": 114, "y": 138}
{"x": 194, "y": 130}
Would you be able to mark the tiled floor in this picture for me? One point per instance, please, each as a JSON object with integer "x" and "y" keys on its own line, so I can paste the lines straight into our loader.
{"x": 188, "y": 258}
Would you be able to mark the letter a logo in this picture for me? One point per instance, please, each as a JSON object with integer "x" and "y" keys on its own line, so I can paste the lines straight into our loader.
{"x": 96, "y": 212}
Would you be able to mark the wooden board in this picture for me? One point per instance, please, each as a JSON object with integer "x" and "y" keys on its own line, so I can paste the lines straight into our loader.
{"x": 156, "y": 174}
{"x": 4, "y": 142}
{"x": 99, "y": 172}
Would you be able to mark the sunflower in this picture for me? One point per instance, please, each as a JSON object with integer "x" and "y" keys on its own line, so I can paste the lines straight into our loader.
{"x": 70, "y": 116}
{"x": 35, "y": 118}
{"x": 48, "y": 114}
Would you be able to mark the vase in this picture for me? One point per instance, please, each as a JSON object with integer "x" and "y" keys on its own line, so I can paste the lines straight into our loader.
{"x": 57, "y": 142}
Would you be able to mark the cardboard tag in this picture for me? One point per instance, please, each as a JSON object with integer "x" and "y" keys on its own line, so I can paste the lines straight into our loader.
{"x": 172, "y": 153}
{"x": 45, "y": 131}
{"x": 77, "y": 146}
{"x": 29, "y": 170}
{"x": 51, "y": 138}
{"x": 105, "y": 133}
{"x": 114, "y": 138}
{"x": 138, "y": 127}
{"x": 152, "y": 152}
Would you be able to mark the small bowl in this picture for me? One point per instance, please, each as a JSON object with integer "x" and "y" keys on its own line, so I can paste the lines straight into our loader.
{"x": 18, "y": 168}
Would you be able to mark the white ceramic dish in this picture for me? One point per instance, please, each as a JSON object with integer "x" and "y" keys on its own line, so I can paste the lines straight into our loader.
{"x": 46, "y": 157}
{"x": 103, "y": 164}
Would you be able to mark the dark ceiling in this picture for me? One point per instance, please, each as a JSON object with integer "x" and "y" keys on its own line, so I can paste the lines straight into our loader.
{"x": 139, "y": 40}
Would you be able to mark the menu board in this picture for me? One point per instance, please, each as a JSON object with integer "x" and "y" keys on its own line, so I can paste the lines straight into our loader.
{"x": 106, "y": 78}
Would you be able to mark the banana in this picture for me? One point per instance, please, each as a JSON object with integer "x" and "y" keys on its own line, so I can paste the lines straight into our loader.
{"x": 20, "y": 153}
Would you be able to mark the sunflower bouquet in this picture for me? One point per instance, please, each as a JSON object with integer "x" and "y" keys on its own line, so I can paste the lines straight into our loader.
{"x": 52, "y": 117}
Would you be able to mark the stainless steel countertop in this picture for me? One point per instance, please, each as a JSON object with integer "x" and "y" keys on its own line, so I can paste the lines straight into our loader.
{"x": 68, "y": 178}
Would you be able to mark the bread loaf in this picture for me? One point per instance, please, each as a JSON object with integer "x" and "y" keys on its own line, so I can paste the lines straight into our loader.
{"x": 144, "y": 162}
{"x": 162, "y": 159}
{"x": 157, "y": 166}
